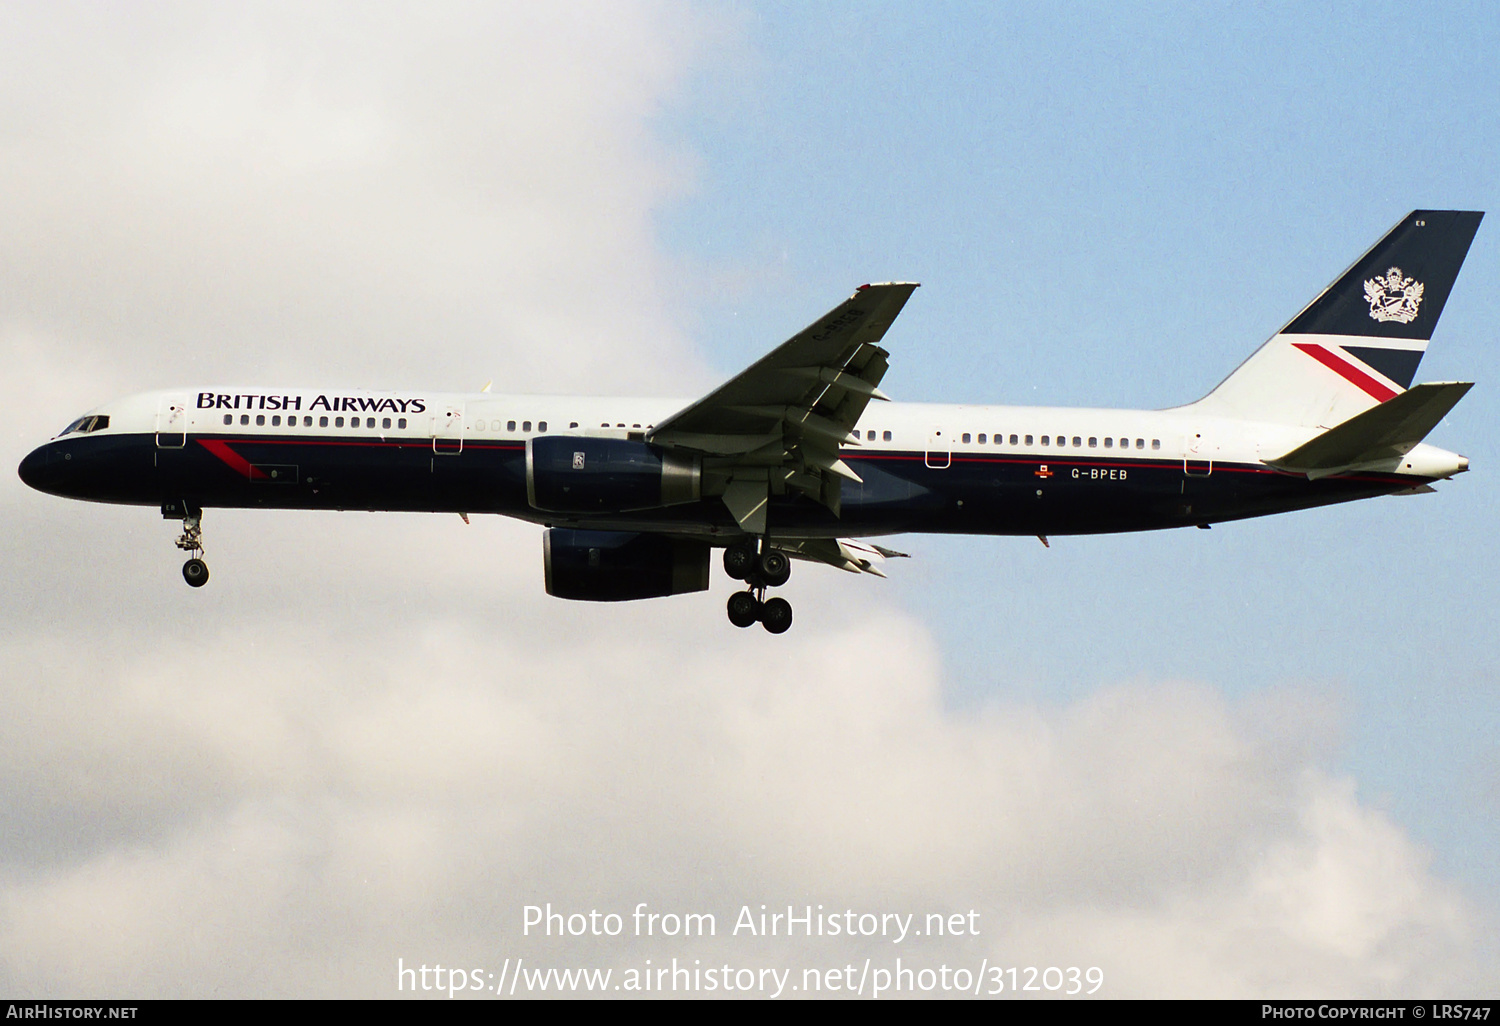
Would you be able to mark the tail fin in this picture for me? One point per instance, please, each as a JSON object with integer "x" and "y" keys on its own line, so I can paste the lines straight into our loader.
{"x": 1359, "y": 343}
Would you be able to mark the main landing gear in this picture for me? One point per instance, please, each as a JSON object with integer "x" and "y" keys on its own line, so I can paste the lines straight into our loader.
{"x": 762, "y": 569}
{"x": 194, "y": 571}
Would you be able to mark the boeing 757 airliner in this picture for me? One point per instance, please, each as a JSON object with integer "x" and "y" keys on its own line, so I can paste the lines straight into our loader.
{"x": 801, "y": 453}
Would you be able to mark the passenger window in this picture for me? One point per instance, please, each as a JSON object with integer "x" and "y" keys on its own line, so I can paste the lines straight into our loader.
{"x": 260, "y": 420}
{"x": 886, "y": 435}
{"x": 1028, "y": 439}
{"x": 981, "y": 438}
{"x": 401, "y": 423}
{"x": 869, "y": 436}
{"x": 385, "y": 423}
{"x": 1156, "y": 443}
{"x": 1013, "y": 440}
{"x": 1140, "y": 443}
{"x": 229, "y": 418}
{"x": 276, "y": 421}
{"x": 1109, "y": 443}
{"x": 572, "y": 424}
{"x": 526, "y": 425}
{"x": 1044, "y": 439}
{"x": 322, "y": 422}
{"x": 338, "y": 422}
{"x": 244, "y": 419}
{"x": 542, "y": 426}
{"x": 1093, "y": 443}
{"x": 307, "y": 422}
{"x": 966, "y": 438}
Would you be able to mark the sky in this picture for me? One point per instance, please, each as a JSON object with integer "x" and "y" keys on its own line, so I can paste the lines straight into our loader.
{"x": 1248, "y": 762}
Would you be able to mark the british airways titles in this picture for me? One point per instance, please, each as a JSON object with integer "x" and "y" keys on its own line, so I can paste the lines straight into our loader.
{"x": 331, "y": 403}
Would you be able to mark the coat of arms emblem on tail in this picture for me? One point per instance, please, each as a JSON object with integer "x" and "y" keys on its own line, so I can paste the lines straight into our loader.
{"x": 1393, "y": 297}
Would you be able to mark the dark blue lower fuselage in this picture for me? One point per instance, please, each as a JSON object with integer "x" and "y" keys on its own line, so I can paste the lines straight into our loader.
{"x": 901, "y": 492}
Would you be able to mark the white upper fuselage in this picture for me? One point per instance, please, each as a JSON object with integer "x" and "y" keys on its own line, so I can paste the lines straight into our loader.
{"x": 1184, "y": 432}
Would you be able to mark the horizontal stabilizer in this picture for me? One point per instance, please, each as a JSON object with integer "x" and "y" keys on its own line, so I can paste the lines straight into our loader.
{"x": 1385, "y": 432}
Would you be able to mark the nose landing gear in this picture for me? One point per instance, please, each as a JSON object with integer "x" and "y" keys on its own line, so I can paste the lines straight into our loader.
{"x": 768, "y": 568}
{"x": 194, "y": 571}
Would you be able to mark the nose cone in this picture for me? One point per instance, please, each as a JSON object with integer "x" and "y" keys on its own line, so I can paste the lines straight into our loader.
{"x": 43, "y": 470}
{"x": 33, "y": 469}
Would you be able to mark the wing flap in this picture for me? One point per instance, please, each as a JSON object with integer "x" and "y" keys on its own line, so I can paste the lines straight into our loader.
{"x": 856, "y": 557}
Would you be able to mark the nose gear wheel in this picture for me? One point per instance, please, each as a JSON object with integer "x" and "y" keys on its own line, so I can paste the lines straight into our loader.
{"x": 194, "y": 571}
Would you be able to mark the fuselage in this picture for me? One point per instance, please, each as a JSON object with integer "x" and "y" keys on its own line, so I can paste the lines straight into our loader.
{"x": 968, "y": 469}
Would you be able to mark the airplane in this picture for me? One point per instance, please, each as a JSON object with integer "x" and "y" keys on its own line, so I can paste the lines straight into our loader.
{"x": 801, "y": 454}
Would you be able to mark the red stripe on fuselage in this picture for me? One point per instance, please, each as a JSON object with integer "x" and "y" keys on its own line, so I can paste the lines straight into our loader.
{"x": 232, "y": 459}
{"x": 1346, "y": 370}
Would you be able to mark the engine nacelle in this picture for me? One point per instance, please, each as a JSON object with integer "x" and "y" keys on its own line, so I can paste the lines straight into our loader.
{"x": 617, "y": 566}
{"x": 574, "y": 474}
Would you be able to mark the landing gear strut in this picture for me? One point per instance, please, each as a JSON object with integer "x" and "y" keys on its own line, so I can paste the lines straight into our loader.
{"x": 194, "y": 571}
{"x": 762, "y": 569}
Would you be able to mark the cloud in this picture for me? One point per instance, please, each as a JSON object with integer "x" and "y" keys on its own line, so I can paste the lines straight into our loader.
{"x": 345, "y": 192}
{"x": 272, "y": 812}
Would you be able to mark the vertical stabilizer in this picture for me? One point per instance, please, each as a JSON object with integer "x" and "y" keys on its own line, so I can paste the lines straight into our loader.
{"x": 1357, "y": 344}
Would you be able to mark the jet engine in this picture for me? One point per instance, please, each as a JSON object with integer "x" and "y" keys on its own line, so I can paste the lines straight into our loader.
{"x": 572, "y": 474}
{"x": 617, "y": 566}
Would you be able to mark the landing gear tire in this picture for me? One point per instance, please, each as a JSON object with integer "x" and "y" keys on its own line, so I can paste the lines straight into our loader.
{"x": 195, "y": 572}
{"x": 774, "y": 568}
{"x": 744, "y": 608}
{"x": 776, "y": 615}
{"x": 739, "y": 562}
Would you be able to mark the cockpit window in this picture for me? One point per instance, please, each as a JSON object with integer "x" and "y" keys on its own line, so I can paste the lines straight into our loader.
{"x": 84, "y": 425}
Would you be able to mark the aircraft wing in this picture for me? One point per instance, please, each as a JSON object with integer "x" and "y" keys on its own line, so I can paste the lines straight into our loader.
{"x": 777, "y": 426}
